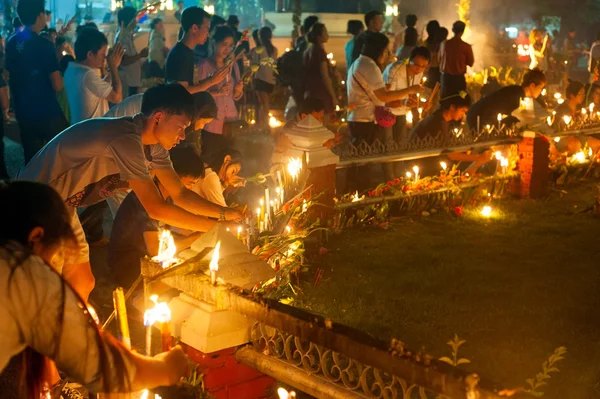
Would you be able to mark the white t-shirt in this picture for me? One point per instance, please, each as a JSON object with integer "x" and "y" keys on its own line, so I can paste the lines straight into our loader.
{"x": 128, "y": 107}
{"x": 210, "y": 188}
{"x": 395, "y": 77}
{"x": 367, "y": 72}
{"x": 86, "y": 92}
{"x": 39, "y": 310}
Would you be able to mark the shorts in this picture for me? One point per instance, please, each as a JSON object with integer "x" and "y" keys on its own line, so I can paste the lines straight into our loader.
{"x": 263, "y": 87}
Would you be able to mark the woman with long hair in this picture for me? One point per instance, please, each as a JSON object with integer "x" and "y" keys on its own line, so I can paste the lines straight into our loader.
{"x": 433, "y": 45}
{"x": 264, "y": 79}
{"x": 538, "y": 46}
{"x": 226, "y": 93}
{"x": 43, "y": 317}
{"x": 221, "y": 171}
{"x": 317, "y": 81}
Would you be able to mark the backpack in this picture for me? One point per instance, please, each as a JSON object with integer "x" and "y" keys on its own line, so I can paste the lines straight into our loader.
{"x": 290, "y": 68}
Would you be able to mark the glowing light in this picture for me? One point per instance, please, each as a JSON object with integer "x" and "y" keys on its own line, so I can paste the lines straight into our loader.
{"x": 583, "y": 111}
{"x": 337, "y": 108}
{"x": 424, "y": 79}
{"x": 578, "y": 158}
{"x": 288, "y": 229}
{"x": 284, "y": 394}
{"x": 556, "y": 139}
{"x": 488, "y": 127}
{"x": 294, "y": 167}
{"x": 64, "y": 53}
{"x": 408, "y": 175}
{"x": 166, "y": 249}
{"x": 486, "y": 211}
{"x": 544, "y": 92}
{"x": 566, "y": 62}
{"x": 214, "y": 263}
{"x": 343, "y": 82}
{"x": 160, "y": 313}
{"x": 549, "y": 121}
{"x": 504, "y": 162}
{"x": 330, "y": 56}
{"x": 592, "y": 105}
{"x": 258, "y": 212}
{"x": 356, "y": 198}
{"x": 391, "y": 10}
{"x": 210, "y": 9}
{"x": 274, "y": 123}
{"x": 498, "y": 155}
{"x": 590, "y": 152}
{"x": 423, "y": 100}
{"x": 287, "y": 49}
{"x": 409, "y": 117}
{"x": 567, "y": 119}
{"x": 343, "y": 120}
{"x": 499, "y": 117}
{"x": 560, "y": 100}
{"x": 253, "y": 122}
{"x": 420, "y": 110}
{"x": 557, "y": 95}
{"x": 523, "y": 50}
{"x": 443, "y": 165}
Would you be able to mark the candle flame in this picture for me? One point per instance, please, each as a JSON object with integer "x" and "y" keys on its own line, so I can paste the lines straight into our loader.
{"x": 499, "y": 117}
{"x": 544, "y": 92}
{"x": 567, "y": 119}
{"x": 560, "y": 100}
{"x": 274, "y": 122}
{"x": 549, "y": 121}
{"x": 443, "y": 165}
{"x": 337, "y": 108}
{"x": 590, "y": 152}
{"x": 159, "y": 313}
{"x": 409, "y": 117}
{"x": 592, "y": 105}
{"x": 356, "y": 198}
{"x": 166, "y": 249}
{"x": 578, "y": 158}
{"x": 486, "y": 211}
{"x": 288, "y": 229}
{"x": 557, "y": 95}
{"x": 504, "y": 162}
{"x": 416, "y": 169}
{"x": 556, "y": 139}
{"x": 214, "y": 263}
{"x": 330, "y": 56}
{"x": 284, "y": 394}
{"x": 239, "y": 229}
{"x": 583, "y": 111}
{"x": 294, "y": 167}
{"x": 408, "y": 174}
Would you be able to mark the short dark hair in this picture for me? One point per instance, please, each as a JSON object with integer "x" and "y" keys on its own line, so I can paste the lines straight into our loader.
{"x": 215, "y": 21}
{"x": 89, "y": 40}
{"x": 29, "y": 10}
{"x": 432, "y": 27}
{"x": 411, "y": 20}
{"x": 375, "y": 45}
{"x": 155, "y": 22}
{"x": 574, "y": 88}
{"x": 310, "y": 105}
{"x": 355, "y": 26}
{"x": 171, "y": 98}
{"x": 442, "y": 34}
{"x": 215, "y": 160}
{"x": 458, "y": 27}
{"x": 64, "y": 62}
{"x": 371, "y": 15}
{"x": 205, "y": 105}
{"x": 126, "y": 15}
{"x": 308, "y": 23}
{"x": 186, "y": 162}
{"x": 193, "y": 16}
{"x": 456, "y": 101}
{"x": 27, "y": 205}
{"x": 222, "y": 32}
{"x": 233, "y": 20}
{"x": 420, "y": 51}
{"x": 535, "y": 76}
{"x": 60, "y": 40}
{"x": 411, "y": 36}
{"x": 315, "y": 32}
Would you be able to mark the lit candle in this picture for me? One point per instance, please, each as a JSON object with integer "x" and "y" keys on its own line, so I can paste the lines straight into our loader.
{"x": 416, "y": 170}
{"x": 444, "y": 166}
{"x": 409, "y": 118}
{"x": 258, "y": 218}
{"x": 262, "y": 208}
{"x": 304, "y": 206}
{"x": 279, "y": 182}
{"x": 567, "y": 119}
{"x": 268, "y": 204}
{"x": 239, "y": 232}
{"x": 420, "y": 110}
{"x": 162, "y": 314}
{"x": 584, "y": 113}
{"x": 214, "y": 264}
{"x": 408, "y": 175}
{"x": 592, "y": 105}
{"x": 499, "y": 120}
{"x": 486, "y": 211}
{"x": 549, "y": 120}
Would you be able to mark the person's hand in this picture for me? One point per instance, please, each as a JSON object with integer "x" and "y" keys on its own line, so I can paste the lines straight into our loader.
{"x": 225, "y": 91}
{"x": 219, "y": 75}
{"x": 175, "y": 362}
{"x": 233, "y": 215}
{"x": 237, "y": 181}
{"x": 239, "y": 86}
{"x": 144, "y": 53}
{"x": 396, "y": 104}
{"x": 412, "y": 102}
{"x": 416, "y": 89}
{"x": 115, "y": 56}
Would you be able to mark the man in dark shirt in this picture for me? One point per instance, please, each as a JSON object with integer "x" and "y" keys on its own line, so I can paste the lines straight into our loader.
{"x": 452, "y": 109}
{"x": 455, "y": 56}
{"x": 34, "y": 80}
{"x": 179, "y": 66}
{"x": 180, "y": 6}
{"x": 374, "y": 22}
{"x": 135, "y": 235}
{"x": 505, "y": 101}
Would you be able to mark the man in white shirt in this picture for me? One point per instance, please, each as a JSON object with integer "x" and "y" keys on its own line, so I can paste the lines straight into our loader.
{"x": 88, "y": 93}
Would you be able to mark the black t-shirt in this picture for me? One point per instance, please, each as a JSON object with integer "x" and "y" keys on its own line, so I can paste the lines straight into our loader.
{"x": 503, "y": 101}
{"x": 127, "y": 245}
{"x": 30, "y": 59}
{"x": 179, "y": 66}
{"x": 431, "y": 126}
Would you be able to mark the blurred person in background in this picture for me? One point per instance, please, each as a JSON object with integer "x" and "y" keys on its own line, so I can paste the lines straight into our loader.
{"x": 130, "y": 69}
{"x": 264, "y": 79}
{"x": 455, "y": 56}
{"x": 355, "y": 28}
{"x": 411, "y": 37}
{"x": 318, "y": 82}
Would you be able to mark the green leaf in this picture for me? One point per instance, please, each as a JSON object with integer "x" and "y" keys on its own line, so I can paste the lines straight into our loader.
{"x": 446, "y": 360}
{"x": 462, "y": 361}
{"x": 530, "y": 382}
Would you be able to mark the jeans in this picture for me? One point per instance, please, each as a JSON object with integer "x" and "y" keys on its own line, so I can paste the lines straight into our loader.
{"x": 35, "y": 134}
{"x": 452, "y": 84}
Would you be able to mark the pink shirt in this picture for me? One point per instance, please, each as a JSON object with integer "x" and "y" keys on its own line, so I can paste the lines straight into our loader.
{"x": 225, "y": 104}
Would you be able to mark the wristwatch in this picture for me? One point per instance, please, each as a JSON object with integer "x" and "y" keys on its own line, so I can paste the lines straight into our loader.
{"x": 222, "y": 215}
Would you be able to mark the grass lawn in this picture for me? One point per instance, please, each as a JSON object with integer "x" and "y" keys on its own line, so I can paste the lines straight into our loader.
{"x": 515, "y": 287}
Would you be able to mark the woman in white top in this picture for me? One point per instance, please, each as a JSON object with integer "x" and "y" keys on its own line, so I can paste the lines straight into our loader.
{"x": 264, "y": 79}
{"x": 43, "y": 316}
{"x": 366, "y": 91}
{"x": 221, "y": 171}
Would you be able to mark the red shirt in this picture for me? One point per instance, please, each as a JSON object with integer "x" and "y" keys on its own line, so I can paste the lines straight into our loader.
{"x": 455, "y": 56}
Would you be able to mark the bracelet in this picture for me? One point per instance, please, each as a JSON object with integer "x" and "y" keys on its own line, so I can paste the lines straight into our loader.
{"x": 222, "y": 215}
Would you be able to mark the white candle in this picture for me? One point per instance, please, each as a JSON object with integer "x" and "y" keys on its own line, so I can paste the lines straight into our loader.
{"x": 149, "y": 340}
{"x": 499, "y": 120}
{"x": 268, "y": 203}
{"x": 416, "y": 170}
{"x": 279, "y": 182}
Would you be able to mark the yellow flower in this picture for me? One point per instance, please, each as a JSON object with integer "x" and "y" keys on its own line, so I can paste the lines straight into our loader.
{"x": 259, "y": 50}
{"x": 462, "y": 94}
{"x": 254, "y": 67}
